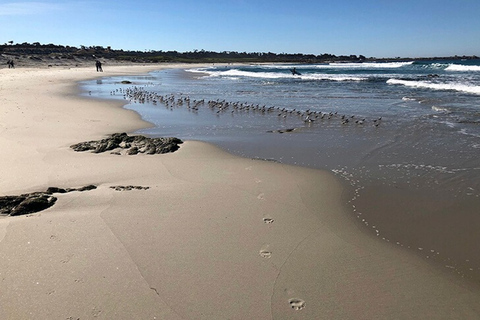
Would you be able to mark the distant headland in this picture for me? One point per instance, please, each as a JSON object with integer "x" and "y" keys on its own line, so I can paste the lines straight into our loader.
{"x": 51, "y": 55}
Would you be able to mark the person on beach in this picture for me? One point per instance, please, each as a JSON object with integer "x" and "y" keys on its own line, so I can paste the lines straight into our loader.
{"x": 98, "y": 64}
{"x": 10, "y": 64}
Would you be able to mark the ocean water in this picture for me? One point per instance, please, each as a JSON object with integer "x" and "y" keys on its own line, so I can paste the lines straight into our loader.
{"x": 403, "y": 136}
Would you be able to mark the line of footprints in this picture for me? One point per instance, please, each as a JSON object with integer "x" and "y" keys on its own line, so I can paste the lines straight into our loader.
{"x": 295, "y": 303}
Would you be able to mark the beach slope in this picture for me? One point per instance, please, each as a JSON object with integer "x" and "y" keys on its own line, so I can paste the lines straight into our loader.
{"x": 203, "y": 235}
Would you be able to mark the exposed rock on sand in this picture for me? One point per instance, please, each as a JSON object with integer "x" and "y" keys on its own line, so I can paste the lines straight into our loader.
{"x": 33, "y": 202}
{"x": 51, "y": 190}
{"x": 25, "y": 203}
{"x": 132, "y": 144}
{"x": 282, "y": 130}
{"x": 128, "y": 188}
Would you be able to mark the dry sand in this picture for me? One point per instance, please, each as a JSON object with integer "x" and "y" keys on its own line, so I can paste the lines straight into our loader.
{"x": 214, "y": 237}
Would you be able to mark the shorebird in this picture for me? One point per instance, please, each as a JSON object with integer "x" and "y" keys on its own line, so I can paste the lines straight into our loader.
{"x": 308, "y": 119}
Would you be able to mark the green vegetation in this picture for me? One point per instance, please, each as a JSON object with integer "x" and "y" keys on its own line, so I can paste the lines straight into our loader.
{"x": 35, "y": 50}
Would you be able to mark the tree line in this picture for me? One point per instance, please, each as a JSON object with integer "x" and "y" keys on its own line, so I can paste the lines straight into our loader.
{"x": 167, "y": 56}
{"x": 202, "y": 56}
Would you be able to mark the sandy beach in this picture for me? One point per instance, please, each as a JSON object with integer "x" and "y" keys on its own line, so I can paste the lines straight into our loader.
{"x": 213, "y": 237}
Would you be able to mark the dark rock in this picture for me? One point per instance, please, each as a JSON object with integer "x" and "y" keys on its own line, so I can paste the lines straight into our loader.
{"x": 132, "y": 151}
{"x": 7, "y": 203}
{"x": 167, "y": 148}
{"x": 282, "y": 130}
{"x": 87, "y": 188}
{"x": 51, "y": 190}
{"x": 150, "y": 149}
{"x": 140, "y": 139}
{"x": 112, "y": 145}
{"x": 79, "y": 147}
{"x": 33, "y": 204}
{"x": 134, "y": 144}
{"x": 128, "y": 188}
{"x": 101, "y": 147}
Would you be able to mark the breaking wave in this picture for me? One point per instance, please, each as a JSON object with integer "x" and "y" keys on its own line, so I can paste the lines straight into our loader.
{"x": 461, "y": 87}
{"x": 236, "y": 73}
{"x": 462, "y": 68}
{"x": 367, "y": 65}
{"x": 440, "y": 109}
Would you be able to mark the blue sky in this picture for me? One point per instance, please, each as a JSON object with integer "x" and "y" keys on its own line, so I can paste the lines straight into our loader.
{"x": 374, "y": 28}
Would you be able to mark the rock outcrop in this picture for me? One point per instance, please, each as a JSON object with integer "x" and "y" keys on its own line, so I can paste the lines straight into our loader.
{"x": 26, "y": 203}
{"x": 33, "y": 202}
{"x": 131, "y": 144}
{"x": 128, "y": 188}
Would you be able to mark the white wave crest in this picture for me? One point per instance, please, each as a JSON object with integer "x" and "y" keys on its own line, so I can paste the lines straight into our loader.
{"x": 367, "y": 65}
{"x": 435, "y": 66}
{"x": 462, "y": 87}
{"x": 282, "y": 66}
{"x": 462, "y": 68}
{"x": 440, "y": 109}
{"x": 248, "y": 74}
{"x": 332, "y": 77}
{"x": 198, "y": 70}
{"x": 236, "y": 73}
{"x": 339, "y": 65}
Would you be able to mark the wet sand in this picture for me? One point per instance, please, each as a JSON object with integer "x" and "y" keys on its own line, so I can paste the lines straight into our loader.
{"x": 413, "y": 185}
{"x": 427, "y": 223}
{"x": 215, "y": 236}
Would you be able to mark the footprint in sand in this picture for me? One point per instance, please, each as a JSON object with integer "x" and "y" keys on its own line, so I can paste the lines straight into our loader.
{"x": 265, "y": 254}
{"x": 261, "y": 196}
{"x": 268, "y": 220}
{"x": 67, "y": 259}
{"x": 297, "y": 304}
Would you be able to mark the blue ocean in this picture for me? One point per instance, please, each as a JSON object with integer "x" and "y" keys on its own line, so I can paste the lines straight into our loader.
{"x": 403, "y": 136}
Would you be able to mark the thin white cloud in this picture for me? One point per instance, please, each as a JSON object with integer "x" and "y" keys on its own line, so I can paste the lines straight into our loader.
{"x": 27, "y": 8}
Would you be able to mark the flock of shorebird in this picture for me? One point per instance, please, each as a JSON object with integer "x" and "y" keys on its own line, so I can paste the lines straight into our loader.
{"x": 140, "y": 95}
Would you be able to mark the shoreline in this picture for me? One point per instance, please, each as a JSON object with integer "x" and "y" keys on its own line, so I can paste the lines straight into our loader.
{"x": 215, "y": 236}
{"x": 435, "y": 225}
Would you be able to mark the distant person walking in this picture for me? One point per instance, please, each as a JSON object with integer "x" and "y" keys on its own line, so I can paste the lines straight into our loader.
{"x": 98, "y": 64}
{"x": 11, "y": 64}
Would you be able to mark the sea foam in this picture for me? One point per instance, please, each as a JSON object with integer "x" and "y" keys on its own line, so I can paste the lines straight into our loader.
{"x": 367, "y": 65}
{"x": 461, "y": 87}
{"x": 462, "y": 68}
{"x": 440, "y": 109}
{"x": 236, "y": 73}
